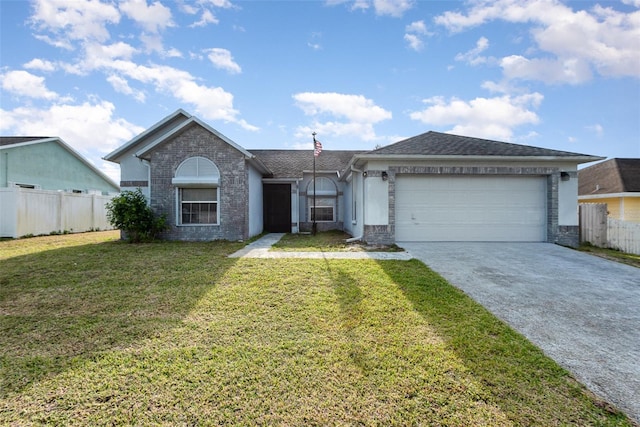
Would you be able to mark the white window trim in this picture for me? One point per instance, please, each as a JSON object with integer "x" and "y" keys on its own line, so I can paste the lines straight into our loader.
{"x": 333, "y": 208}
{"x": 179, "y": 209}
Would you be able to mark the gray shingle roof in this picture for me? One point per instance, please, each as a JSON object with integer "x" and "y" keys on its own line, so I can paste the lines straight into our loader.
{"x": 444, "y": 144}
{"x": 609, "y": 177}
{"x": 291, "y": 163}
{"x": 10, "y": 140}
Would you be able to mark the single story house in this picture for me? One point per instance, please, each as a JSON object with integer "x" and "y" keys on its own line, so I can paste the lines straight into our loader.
{"x": 615, "y": 182}
{"x": 49, "y": 163}
{"x": 432, "y": 187}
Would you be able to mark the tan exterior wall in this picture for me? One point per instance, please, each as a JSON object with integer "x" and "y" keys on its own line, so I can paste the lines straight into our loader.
{"x": 620, "y": 208}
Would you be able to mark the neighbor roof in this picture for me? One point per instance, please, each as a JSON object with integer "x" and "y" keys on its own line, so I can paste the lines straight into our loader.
{"x": 292, "y": 163}
{"x": 610, "y": 177}
{"x": 11, "y": 140}
{"x": 443, "y": 144}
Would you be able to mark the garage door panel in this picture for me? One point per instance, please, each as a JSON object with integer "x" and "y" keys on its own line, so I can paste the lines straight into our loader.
{"x": 470, "y": 208}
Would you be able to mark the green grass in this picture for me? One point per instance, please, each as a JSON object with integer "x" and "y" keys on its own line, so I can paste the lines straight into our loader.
{"x": 327, "y": 241}
{"x": 612, "y": 254}
{"x": 94, "y": 331}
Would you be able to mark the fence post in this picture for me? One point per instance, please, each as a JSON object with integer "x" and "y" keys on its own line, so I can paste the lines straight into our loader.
{"x": 593, "y": 223}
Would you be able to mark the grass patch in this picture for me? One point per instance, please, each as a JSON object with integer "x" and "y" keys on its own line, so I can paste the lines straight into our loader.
{"x": 328, "y": 241}
{"x": 105, "y": 332}
{"x": 612, "y": 254}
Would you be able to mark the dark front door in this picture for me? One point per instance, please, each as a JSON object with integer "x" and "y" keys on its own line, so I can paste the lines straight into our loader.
{"x": 277, "y": 208}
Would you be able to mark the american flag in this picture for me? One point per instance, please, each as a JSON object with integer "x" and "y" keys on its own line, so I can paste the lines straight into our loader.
{"x": 318, "y": 148}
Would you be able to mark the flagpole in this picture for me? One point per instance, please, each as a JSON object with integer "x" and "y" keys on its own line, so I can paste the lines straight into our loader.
{"x": 314, "y": 227}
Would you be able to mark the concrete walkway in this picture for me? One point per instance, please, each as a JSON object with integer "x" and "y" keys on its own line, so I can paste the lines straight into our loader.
{"x": 261, "y": 248}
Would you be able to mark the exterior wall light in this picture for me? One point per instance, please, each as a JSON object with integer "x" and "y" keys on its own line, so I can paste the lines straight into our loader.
{"x": 385, "y": 175}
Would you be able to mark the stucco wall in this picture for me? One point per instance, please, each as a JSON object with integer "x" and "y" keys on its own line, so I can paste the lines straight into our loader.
{"x": 256, "y": 220}
{"x": 51, "y": 167}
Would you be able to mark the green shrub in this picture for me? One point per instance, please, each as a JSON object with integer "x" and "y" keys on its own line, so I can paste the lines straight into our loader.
{"x": 130, "y": 213}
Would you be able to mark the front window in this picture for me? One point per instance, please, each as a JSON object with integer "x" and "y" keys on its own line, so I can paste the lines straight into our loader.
{"x": 199, "y": 205}
{"x": 324, "y": 195}
{"x": 323, "y": 213}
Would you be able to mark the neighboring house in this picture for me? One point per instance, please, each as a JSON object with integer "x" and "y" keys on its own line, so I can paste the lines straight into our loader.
{"x": 46, "y": 186}
{"x": 432, "y": 187}
{"x": 48, "y": 163}
{"x": 615, "y": 182}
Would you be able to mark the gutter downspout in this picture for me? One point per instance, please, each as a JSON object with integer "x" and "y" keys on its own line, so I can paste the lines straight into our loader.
{"x": 147, "y": 163}
{"x": 355, "y": 239}
{"x": 298, "y": 204}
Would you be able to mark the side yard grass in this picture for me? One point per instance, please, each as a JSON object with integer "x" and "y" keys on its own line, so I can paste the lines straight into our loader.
{"x": 612, "y": 254}
{"x": 94, "y": 331}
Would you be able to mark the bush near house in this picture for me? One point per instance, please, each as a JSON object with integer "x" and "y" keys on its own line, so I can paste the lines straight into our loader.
{"x": 130, "y": 213}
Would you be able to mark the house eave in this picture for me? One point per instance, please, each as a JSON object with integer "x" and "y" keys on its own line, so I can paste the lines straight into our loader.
{"x": 609, "y": 196}
{"x": 422, "y": 157}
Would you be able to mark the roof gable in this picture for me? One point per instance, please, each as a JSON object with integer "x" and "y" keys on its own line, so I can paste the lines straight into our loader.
{"x": 153, "y": 133}
{"x": 443, "y": 144}
{"x": 610, "y": 177}
{"x": 193, "y": 121}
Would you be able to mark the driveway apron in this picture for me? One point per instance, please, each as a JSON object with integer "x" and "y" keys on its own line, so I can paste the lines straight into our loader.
{"x": 581, "y": 310}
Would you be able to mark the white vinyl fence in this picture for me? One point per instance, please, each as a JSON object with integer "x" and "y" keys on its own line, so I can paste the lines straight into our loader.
{"x": 33, "y": 212}
{"x": 599, "y": 230}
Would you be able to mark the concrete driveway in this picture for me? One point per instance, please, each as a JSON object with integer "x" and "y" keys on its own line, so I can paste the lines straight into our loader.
{"x": 582, "y": 311}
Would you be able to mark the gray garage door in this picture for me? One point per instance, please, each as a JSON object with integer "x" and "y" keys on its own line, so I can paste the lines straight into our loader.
{"x": 470, "y": 208}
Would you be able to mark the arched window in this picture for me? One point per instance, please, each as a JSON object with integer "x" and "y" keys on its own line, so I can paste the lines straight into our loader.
{"x": 325, "y": 200}
{"x": 197, "y": 182}
{"x": 197, "y": 171}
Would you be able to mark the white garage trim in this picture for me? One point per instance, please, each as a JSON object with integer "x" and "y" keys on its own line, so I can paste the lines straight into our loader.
{"x": 470, "y": 208}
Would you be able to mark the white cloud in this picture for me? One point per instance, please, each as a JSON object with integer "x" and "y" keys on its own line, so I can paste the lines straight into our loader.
{"x": 87, "y": 127}
{"x": 153, "y": 18}
{"x": 552, "y": 71}
{"x": 413, "y": 33}
{"x": 40, "y": 64}
{"x": 493, "y": 118}
{"x": 414, "y": 41}
{"x": 121, "y": 85}
{"x": 359, "y": 114}
{"x": 417, "y": 27}
{"x": 222, "y": 59}
{"x": 635, "y": 3}
{"x": 24, "y": 84}
{"x": 596, "y": 128}
{"x": 395, "y": 8}
{"x": 600, "y": 39}
{"x": 74, "y": 20}
{"x": 207, "y": 18}
{"x": 472, "y": 57}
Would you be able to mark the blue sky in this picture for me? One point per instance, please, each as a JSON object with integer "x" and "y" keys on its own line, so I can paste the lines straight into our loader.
{"x": 363, "y": 73}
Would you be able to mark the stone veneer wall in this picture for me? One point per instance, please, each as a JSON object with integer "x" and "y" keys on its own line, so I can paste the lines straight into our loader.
{"x": 233, "y": 187}
{"x": 563, "y": 235}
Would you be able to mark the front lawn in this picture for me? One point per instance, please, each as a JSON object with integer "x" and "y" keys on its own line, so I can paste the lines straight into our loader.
{"x": 94, "y": 331}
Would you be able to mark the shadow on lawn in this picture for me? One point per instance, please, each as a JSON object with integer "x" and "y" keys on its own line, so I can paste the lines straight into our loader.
{"x": 62, "y": 307}
{"x": 520, "y": 378}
